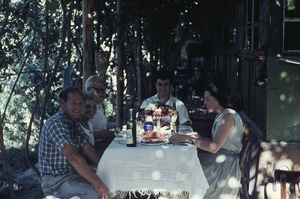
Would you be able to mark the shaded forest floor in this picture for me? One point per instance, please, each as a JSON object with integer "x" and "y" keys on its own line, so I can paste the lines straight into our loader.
{"x": 26, "y": 185}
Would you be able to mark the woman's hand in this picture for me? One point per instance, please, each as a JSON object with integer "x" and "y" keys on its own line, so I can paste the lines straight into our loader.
{"x": 177, "y": 138}
{"x": 194, "y": 135}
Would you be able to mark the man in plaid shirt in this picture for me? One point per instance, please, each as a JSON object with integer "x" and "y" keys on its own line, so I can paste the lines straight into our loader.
{"x": 64, "y": 171}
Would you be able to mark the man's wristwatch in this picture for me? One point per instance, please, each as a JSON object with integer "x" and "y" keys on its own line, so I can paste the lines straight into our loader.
{"x": 194, "y": 140}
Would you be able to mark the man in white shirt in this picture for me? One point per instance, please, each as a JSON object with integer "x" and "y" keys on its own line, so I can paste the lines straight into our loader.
{"x": 164, "y": 85}
{"x": 103, "y": 135}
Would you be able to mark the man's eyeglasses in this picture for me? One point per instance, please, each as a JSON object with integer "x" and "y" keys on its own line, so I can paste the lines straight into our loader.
{"x": 99, "y": 90}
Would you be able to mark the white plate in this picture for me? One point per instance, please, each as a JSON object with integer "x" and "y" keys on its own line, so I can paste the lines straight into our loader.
{"x": 152, "y": 143}
{"x": 180, "y": 144}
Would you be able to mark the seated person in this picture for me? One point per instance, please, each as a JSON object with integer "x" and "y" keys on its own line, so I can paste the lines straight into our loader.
{"x": 88, "y": 112}
{"x": 219, "y": 156}
{"x": 103, "y": 136}
{"x": 64, "y": 171}
{"x": 164, "y": 85}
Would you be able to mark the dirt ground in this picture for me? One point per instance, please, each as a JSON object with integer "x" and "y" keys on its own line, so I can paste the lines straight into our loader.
{"x": 33, "y": 192}
{"x": 26, "y": 186}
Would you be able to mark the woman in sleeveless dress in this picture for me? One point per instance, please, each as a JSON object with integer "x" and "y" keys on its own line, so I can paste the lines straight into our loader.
{"x": 219, "y": 156}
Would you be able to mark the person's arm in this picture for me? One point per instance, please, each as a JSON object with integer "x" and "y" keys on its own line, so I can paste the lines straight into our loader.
{"x": 213, "y": 146}
{"x": 183, "y": 114}
{"x": 198, "y": 136}
{"x": 91, "y": 153}
{"x": 104, "y": 133}
{"x": 187, "y": 123}
{"x": 81, "y": 166}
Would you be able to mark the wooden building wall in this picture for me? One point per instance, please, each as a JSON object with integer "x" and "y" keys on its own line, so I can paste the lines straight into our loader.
{"x": 237, "y": 31}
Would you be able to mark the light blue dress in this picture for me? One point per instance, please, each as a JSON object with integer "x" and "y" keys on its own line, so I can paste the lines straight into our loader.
{"x": 222, "y": 169}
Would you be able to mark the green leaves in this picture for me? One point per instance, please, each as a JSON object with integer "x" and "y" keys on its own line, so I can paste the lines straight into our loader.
{"x": 52, "y": 5}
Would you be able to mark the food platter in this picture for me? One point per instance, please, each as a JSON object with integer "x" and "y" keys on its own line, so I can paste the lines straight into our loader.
{"x": 153, "y": 137}
{"x": 157, "y": 111}
{"x": 153, "y": 143}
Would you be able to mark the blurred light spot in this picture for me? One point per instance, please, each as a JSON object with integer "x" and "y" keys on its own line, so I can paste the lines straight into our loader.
{"x": 233, "y": 182}
{"x": 283, "y": 75}
{"x": 136, "y": 175}
{"x": 182, "y": 159}
{"x": 156, "y": 175}
{"x": 282, "y": 97}
{"x": 296, "y": 167}
{"x": 190, "y": 163}
{"x": 180, "y": 177}
{"x": 159, "y": 154}
{"x": 282, "y": 144}
{"x": 221, "y": 183}
{"x": 195, "y": 196}
{"x": 221, "y": 158}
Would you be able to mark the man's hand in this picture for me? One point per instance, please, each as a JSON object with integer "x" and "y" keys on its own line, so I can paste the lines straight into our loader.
{"x": 83, "y": 169}
{"x": 103, "y": 192}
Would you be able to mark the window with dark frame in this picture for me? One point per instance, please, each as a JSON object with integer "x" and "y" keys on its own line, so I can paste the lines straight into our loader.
{"x": 291, "y": 26}
{"x": 255, "y": 25}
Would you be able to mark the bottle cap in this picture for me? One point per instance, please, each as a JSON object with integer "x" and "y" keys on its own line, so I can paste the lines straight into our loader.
{"x": 149, "y": 119}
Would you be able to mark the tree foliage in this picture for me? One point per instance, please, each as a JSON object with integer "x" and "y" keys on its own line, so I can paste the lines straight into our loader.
{"x": 41, "y": 43}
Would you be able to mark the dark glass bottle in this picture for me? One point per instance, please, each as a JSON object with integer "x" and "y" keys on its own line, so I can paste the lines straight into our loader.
{"x": 175, "y": 126}
{"x": 131, "y": 130}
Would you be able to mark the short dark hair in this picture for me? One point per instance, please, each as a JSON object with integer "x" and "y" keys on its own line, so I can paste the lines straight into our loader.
{"x": 164, "y": 74}
{"x": 65, "y": 92}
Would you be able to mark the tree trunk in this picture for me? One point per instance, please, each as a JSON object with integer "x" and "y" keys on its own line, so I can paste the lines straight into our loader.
{"x": 120, "y": 62}
{"x": 88, "y": 39}
{"x": 139, "y": 57}
{"x": 6, "y": 161}
{"x": 2, "y": 119}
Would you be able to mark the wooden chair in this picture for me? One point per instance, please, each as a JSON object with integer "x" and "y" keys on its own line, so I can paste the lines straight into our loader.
{"x": 243, "y": 157}
{"x": 291, "y": 177}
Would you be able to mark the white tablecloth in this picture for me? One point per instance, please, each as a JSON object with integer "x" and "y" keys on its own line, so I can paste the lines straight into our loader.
{"x": 170, "y": 169}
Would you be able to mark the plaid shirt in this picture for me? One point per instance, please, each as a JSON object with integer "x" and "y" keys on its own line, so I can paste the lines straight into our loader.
{"x": 57, "y": 132}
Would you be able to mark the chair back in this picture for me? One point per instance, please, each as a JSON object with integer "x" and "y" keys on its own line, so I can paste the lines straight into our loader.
{"x": 243, "y": 157}
{"x": 291, "y": 177}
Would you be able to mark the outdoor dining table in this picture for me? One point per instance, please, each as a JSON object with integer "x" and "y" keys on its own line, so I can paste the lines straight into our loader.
{"x": 162, "y": 168}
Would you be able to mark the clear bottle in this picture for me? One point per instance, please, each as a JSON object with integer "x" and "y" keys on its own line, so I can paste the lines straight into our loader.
{"x": 131, "y": 130}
